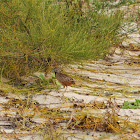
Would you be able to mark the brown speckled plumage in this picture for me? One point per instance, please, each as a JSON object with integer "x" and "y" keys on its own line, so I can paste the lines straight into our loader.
{"x": 64, "y": 79}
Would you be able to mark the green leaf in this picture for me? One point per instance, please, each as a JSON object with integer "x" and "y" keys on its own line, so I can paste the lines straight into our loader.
{"x": 58, "y": 84}
{"x": 53, "y": 76}
{"x": 42, "y": 77}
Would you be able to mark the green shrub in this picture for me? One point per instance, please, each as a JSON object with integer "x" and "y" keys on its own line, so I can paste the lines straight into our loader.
{"x": 39, "y": 33}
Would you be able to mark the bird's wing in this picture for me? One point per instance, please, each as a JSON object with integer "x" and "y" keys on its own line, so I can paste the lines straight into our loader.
{"x": 64, "y": 78}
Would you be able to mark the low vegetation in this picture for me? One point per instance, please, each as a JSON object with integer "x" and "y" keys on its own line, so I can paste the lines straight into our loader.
{"x": 38, "y": 34}
{"x": 52, "y": 126}
{"x": 131, "y": 105}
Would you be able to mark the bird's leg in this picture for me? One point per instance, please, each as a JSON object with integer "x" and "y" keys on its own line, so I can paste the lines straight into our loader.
{"x": 65, "y": 88}
{"x": 63, "y": 97}
{"x": 64, "y": 91}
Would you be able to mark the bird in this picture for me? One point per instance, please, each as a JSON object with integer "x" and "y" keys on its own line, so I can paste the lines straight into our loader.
{"x": 64, "y": 79}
